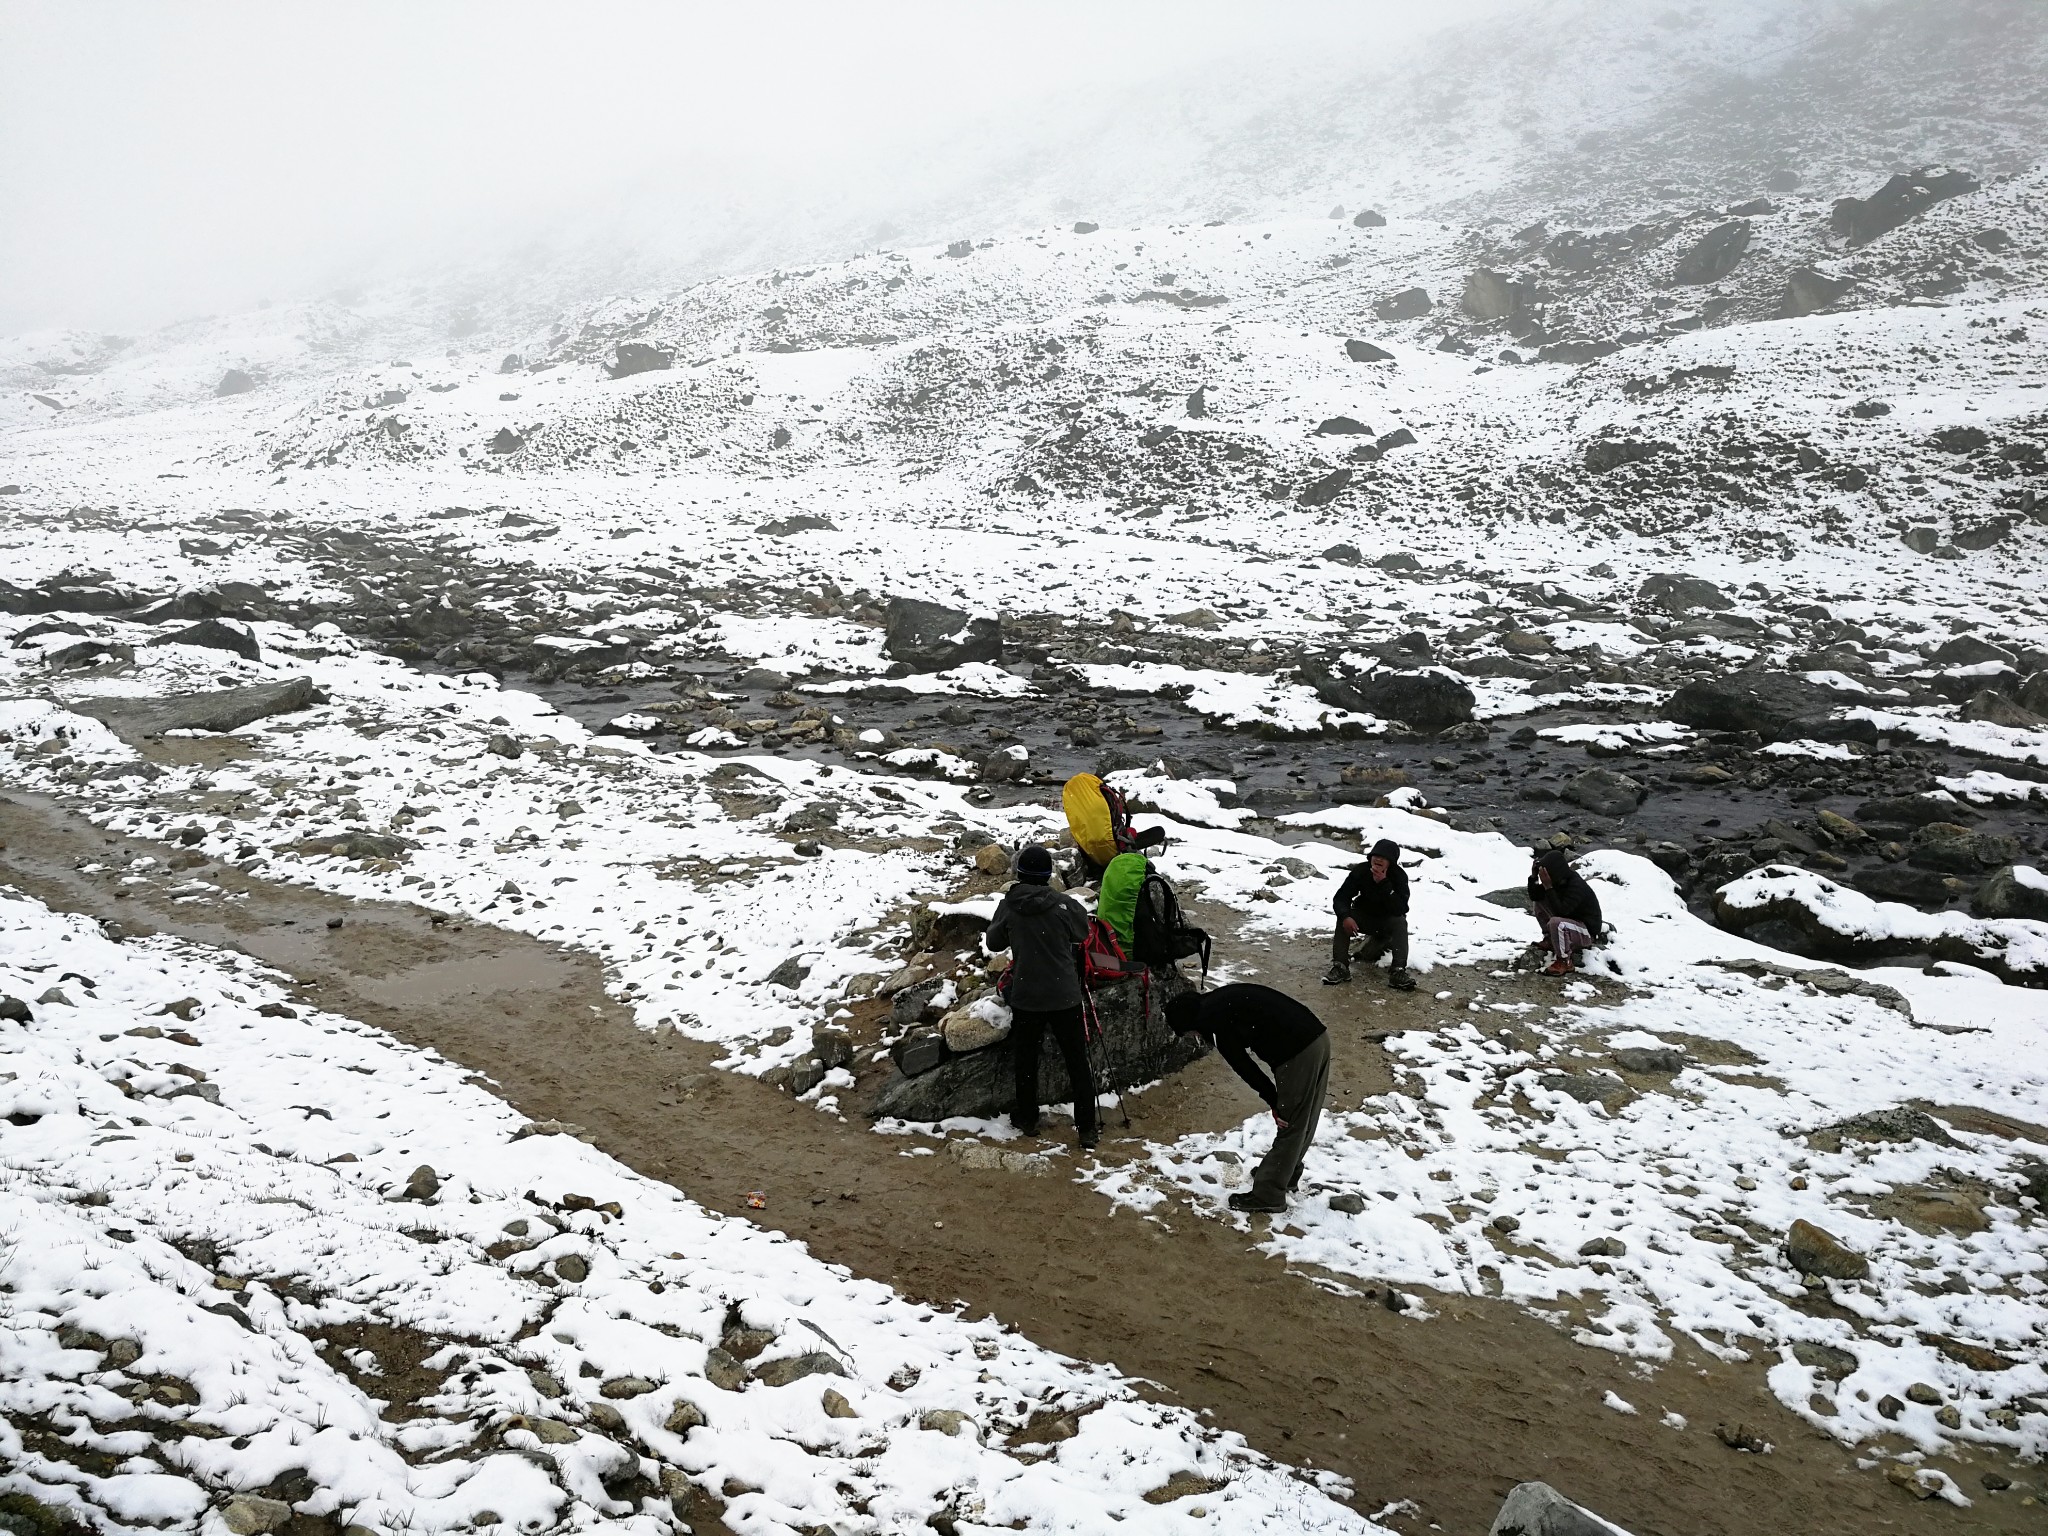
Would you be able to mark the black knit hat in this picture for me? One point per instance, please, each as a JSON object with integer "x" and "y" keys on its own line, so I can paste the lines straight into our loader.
{"x": 1184, "y": 1012}
{"x": 1034, "y": 864}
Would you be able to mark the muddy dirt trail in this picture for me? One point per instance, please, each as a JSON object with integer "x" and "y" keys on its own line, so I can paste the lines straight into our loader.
{"x": 1449, "y": 1412}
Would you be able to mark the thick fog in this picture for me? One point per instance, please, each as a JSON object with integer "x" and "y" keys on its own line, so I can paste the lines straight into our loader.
{"x": 157, "y": 162}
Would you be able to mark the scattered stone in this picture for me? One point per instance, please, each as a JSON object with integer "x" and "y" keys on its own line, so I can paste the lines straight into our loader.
{"x": 620, "y": 1388}
{"x": 1813, "y": 1251}
{"x": 1809, "y": 290}
{"x": 1605, "y": 792}
{"x": 1603, "y": 1248}
{"x": 504, "y": 746}
{"x": 1829, "y": 1361}
{"x": 217, "y": 635}
{"x": 1587, "y": 1088}
{"x": 424, "y": 1183}
{"x": 834, "y": 1402}
{"x": 1775, "y": 705}
{"x": 723, "y": 1370}
{"x": 1505, "y": 1225}
{"x": 947, "y": 1421}
{"x": 1408, "y": 304}
{"x": 1659, "y": 1060}
{"x": 1426, "y": 701}
{"x": 15, "y": 1011}
{"x": 249, "y": 1514}
{"x": 1490, "y": 296}
{"x": 1366, "y": 352}
{"x": 1860, "y": 220}
{"x": 1342, "y": 426}
{"x": 928, "y": 637}
{"x": 2017, "y": 890}
{"x": 790, "y": 973}
{"x": 1537, "y": 1509}
{"x": 1343, "y": 554}
{"x": 1365, "y": 218}
{"x": 965, "y": 1029}
{"x": 1325, "y": 489}
{"x": 780, "y": 1373}
{"x": 1348, "y": 1203}
{"x": 638, "y": 357}
{"x": 228, "y": 709}
{"x": 234, "y": 382}
{"x": 547, "y": 1431}
{"x": 1682, "y": 594}
{"x": 572, "y": 1267}
{"x": 1715, "y": 254}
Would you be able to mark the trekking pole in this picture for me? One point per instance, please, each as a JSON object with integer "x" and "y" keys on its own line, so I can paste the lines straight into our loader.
{"x": 1091, "y": 1026}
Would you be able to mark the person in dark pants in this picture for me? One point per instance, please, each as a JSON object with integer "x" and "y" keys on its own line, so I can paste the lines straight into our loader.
{"x": 1247, "y": 1020}
{"x": 1566, "y": 908}
{"x": 1043, "y": 930}
{"x": 1373, "y": 900}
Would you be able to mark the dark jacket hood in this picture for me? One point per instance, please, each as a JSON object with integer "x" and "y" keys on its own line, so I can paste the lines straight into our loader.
{"x": 1034, "y": 896}
{"x": 1386, "y": 848}
{"x": 1560, "y": 866}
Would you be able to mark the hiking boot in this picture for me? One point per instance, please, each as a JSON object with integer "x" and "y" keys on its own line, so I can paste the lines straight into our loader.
{"x": 1025, "y": 1127}
{"x": 1245, "y": 1200}
{"x": 1559, "y": 968}
{"x": 1336, "y": 975}
{"x": 1399, "y": 979}
{"x": 1090, "y": 1139}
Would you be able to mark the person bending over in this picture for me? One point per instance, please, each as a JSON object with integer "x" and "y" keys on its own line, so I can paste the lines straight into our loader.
{"x": 1373, "y": 900}
{"x": 1246, "y": 1020}
{"x": 1043, "y": 930}
{"x": 1566, "y": 908}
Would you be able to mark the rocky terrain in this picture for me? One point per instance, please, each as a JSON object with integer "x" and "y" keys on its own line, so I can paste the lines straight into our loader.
{"x": 1656, "y": 471}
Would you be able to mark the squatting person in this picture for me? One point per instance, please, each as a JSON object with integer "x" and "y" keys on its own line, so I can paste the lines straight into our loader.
{"x": 1246, "y": 1020}
{"x": 1565, "y": 907}
{"x": 1043, "y": 930}
{"x": 1373, "y": 900}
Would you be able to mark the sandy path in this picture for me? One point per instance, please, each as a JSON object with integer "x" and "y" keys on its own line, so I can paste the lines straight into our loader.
{"x": 1449, "y": 1413}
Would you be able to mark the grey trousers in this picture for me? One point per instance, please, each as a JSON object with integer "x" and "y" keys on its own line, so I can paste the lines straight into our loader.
{"x": 1302, "y": 1081}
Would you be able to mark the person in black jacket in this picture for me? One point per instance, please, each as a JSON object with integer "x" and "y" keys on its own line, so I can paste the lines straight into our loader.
{"x": 1566, "y": 908}
{"x": 1373, "y": 900}
{"x": 1043, "y": 930}
{"x": 1247, "y": 1020}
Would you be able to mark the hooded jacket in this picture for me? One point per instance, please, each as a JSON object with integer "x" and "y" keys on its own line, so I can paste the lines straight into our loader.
{"x": 1569, "y": 895}
{"x": 1369, "y": 902}
{"x": 1042, "y": 929}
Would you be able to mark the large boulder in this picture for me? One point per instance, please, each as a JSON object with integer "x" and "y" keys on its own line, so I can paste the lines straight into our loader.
{"x": 2018, "y": 890}
{"x": 1491, "y": 295}
{"x": 1808, "y": 291}
{"x": 1605, "y": 792}
{"x": 233, "y": 382}
{"x": 1715, "y": 254}
{"x": 1136, "y": 1047}
{"x": 1537, "y": 1509}
{"x": 226, "y": 709}
{"x": 1775, "y": 705}
{"x": 65, "y": 594}
{"x": 216, "y": 635}
{"x": 1408, "y": 304}
{"x": 1859, "y": 220}
{"x": 1366, "y": 352}
{"x": 1427, "y": 701}
{"x": 1609, "y": 453}
{"x": 1324, "y": 489}
{"x": 1682, "y": 594}
{"x": 930, "y": 637}
{"x": 638, "y": 357}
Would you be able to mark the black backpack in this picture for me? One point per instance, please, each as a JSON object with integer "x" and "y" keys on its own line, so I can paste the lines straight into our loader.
{"x": 1160, "y": 931}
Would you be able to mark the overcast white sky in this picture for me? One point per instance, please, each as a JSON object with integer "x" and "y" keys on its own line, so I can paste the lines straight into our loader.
{"x": 163, "y": 160}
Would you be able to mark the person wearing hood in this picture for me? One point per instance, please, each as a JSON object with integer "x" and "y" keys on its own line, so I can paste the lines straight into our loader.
{"x": 1245, "y": 1020}
{"x": 1373, "y": 901}
{"x": 1043, "y": 930}
{"x": 1566, "y": 908}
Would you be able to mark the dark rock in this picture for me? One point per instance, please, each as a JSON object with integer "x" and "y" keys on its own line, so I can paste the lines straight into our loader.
{"x": 1490, "y": 295}
{"x": 1902, "y": 882}
{"x": 1921, "y": 538}
{"x": 1365, "y": 218}
{"x": 1408, "y": 304}
{"x": 1859, "y": 220}
{"x": 1321, "y": 492}
{"x": 1606, "y": 454}
{"x": 15, "y": 1011}
{"x": 802, "y": 522}
{"x": 1366, "y": 352}
{"x": 1829, "y": 1361}
{"x": 1605, "y": 792}
{"x": 1427, "y": 701}
{"x": 233, "y": 382}
{"x": 1400, "y": 437}
{"x": 1343, "y": 554}
{"x": 218, "y": 636}
{"x": 1814, "y": 1251}
{"x": 1900, "y": 1124}
{"x": 423, "y": 1184}
{"x": 1808, "y": 291}
{"x": 1963, "y": 439}
{"x": 1715, "y": 254}
{"x": 959, "y": 248}
{"x": 1657, "y": 1060}
{"x": 1586, "y": 1087}
{"x": 1682, "y": 594}
{"x": 1869, "y": 410}
{"x": 1197, "y": 402}
{"x": 1342, "y": 426}
{"x": 638, "y": 357}
{"x": 1138, "y": 1048}
{"x": 1083, "y": 227}
{"x": 1945, "y": 845}
{"x": 916, "y": 1055}
{"x": 1982, "y": 535}
{"x": 228, "y": 709}
{"x": 506, "y": 441}
{"x": 1913, "y": 810}
{"x": 928, "y": 637}
{"x": 1994, "y": 708}
{"x": 2013, "y": 891}
{"x": 780, "y": 1373}
{"x": 1775, "y": 705}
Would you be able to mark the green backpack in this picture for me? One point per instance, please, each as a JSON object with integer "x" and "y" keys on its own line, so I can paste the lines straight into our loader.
{"x": 1118, "y": 903}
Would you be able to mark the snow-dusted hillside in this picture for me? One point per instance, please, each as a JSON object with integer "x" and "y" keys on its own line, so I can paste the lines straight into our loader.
{"x": 1613, "y": 427}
